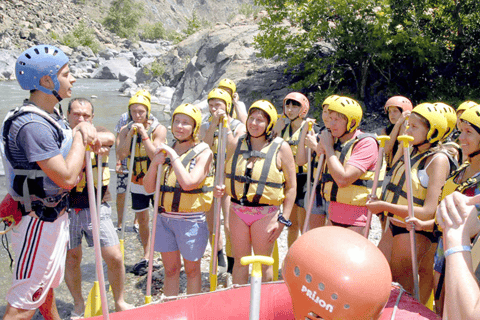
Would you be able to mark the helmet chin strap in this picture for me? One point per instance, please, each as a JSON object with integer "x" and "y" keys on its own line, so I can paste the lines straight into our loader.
{"x": 185, "y": 140}
{"x": 55, "y": 93}
{"x": 473, "y": 154}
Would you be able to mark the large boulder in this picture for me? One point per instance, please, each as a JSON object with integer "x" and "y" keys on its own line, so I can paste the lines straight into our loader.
{"x": 226, "y": 52}
{"x": 119, "y": 68}
{"x": 7, "y": 64}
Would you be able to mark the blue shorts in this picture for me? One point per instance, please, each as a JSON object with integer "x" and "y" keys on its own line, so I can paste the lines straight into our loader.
{"x": 141, "y": 202}
{"x": 439, "y": 259}
{"x": 320, "y": 205}
{"x": 80, "y": 225}
{"x": 190, "y": 237}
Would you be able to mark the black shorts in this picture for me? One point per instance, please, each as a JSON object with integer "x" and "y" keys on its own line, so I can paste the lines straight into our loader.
{"x": 396, "y": 230}
{"x": 301, "y": 189}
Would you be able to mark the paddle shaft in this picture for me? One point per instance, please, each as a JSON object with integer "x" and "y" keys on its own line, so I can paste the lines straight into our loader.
{"x": 217, "y": 204}
{"x": 309, "y": 168}
{"x": 311, "y": 198}
{"x": 156, "y": 200}
{"x": 96, "y": 234}
{"x": 413, "y": 243}
{"x": 378, "y": 167}
{"x": 129, "y": 185}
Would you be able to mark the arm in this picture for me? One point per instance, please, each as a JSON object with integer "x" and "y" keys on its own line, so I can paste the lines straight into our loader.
{"x": 159, "y": 136}
{"x": 399, "y": 127}
{"x": 437, "y": 172}
{"x": 190, "y": 180}
{"x": 149, "y": 180}
{"x": 458, "y": 217}
{"x": 287, "y": 164}
{"x": 65, "y": 171}
{"x": 240, "y": 108}
{"x": 307, "y": 140}
{"x": 123, "y": 143}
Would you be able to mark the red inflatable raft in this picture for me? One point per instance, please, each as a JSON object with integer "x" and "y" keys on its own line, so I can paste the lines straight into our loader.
{"x": 275, "y": 304}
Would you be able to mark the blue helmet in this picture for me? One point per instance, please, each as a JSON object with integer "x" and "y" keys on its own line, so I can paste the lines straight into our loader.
{"x": 39, "y": 61}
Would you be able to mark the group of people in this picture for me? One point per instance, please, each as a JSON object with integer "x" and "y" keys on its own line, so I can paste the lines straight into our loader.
{"x": 271, "y": 160}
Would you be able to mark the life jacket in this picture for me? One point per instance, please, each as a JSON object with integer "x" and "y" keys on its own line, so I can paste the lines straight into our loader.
{"x": 451, "y": 185}
{"x": 355, "y": 194}
{"x": 394, "y": 189}
{"x": 261, "y": 185}
{"x": 79, "y": 194}
{"x": 293, "y": 138}
{"x": 141, "y": 159}
{"x": 29, "y": 184}
{"x": 174, "y": 199}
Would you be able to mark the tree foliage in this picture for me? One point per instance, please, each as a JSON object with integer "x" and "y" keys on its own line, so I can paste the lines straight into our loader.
{"x": 424, "y": 49}
{"x": 123, "y": 18}
{"x": 81, "y": 35}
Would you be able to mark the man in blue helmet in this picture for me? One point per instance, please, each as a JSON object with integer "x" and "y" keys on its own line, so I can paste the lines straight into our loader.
{"x": 43, "y": 158}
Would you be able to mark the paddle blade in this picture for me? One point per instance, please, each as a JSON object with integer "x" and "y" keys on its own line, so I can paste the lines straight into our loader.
{"x": 122, "y": 249}
{"x": 148, "y": 299}
{"x": 94, "y": 304}
{"x": 213, "y": 282}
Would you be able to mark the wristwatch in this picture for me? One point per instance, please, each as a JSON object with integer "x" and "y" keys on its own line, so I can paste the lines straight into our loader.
{"x": 282, "y": 219}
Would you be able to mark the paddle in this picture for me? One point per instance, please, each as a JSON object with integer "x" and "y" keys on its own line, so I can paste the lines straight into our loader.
{"x": 219, "y": 180}
{"x": 156, "y": 200}
{"x": 378, "y": 167}
{"x": 96, "y": 235}
{"x": 276, "y": 261}
{"x": 129, "y": 184}
{"x": 309, "y": 168}
{"x": 408, "y": 179}
{"x": 94, "y": 304}
{"x": 311, "y": 198}
{"x": 256, "y": 282}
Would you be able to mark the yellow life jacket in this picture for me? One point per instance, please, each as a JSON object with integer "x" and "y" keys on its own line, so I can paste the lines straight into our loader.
{"x": 293, "y": 138}
{"x": 141, "y": 159}
{"x": 105, "y": 176}
{"x": 395, "y": 187}
{"x": 261, "y": 185}
{"x": 174, "y": 199}
{"x": 233, "y": 126}
{"x": 355, "y": 194}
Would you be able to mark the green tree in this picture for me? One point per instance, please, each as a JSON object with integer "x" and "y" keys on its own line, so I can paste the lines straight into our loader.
{"x": 81, "y": 35}
{"x": 123, "y": 17}
{"x": 422, "y": 49}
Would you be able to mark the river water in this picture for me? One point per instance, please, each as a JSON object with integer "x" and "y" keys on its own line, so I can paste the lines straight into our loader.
{"x": 109, "y": 105}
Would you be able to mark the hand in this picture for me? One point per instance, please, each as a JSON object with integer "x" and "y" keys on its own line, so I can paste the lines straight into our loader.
{"x": 217, "y": 116}
{"x": 159, "y": 157}
{"x": 404, "y": 116}
{"x": 119, "y": 168}
{"x": 274, "y": 230}
{"x": 281, "y": 122}
{"x": 311, "y": 140}
{"x": 413, "y": 223}
{"x": 89, "y": 134}
{"x": 326, "y": 139}
{"x": 236, "y": 97}
{"x": 164, "y": 148}
{"x": 103, "y": 151}
{"x": 139, "y": 127}
{"x": 219, "y": 191}
{"x": 458, "y": 216}
{"x": 375, "y": 206}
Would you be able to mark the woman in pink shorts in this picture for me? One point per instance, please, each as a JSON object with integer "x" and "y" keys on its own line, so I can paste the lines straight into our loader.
{"x": 259, "y": 177}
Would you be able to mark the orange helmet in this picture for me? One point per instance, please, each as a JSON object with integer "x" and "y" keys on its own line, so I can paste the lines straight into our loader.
{"x": 300, "y": 98}
{"x": 400, "y": 102}
{"x": 347, "y": 279}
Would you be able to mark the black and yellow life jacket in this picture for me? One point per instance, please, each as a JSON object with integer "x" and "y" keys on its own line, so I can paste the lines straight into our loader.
{"x": 451, "y": 185}
{"x": 79, "y": 194}
{"x": 293, "y": 139}
{"x": 261, "y": 185}
{"x": 355, "y": 194}
{"x": 173, "y": 198}
{"x": 141, "y": 159}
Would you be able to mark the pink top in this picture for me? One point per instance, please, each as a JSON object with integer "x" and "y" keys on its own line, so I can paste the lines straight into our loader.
{"x": 364, "y": 157}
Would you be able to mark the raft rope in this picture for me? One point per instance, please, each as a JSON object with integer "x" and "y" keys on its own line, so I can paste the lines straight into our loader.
{"x": 5, "y": 245}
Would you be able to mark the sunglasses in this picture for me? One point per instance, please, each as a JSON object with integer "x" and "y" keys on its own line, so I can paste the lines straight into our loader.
{"x": 294, "y": 102}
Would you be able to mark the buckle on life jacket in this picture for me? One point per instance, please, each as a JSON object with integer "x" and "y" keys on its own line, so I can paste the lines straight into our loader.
{"x": 47, "y": 213}
{"x": 161, "y": 210}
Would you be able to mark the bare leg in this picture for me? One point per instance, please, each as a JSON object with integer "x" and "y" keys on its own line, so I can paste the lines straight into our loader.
{"x": 73, "y": 278}
{"x": 194, "y": 276}
{"x": 241, "y": 246}
{"x": 144, "y": 231}
{"x": 116, "y": 275}
{"x": 260, "y": 243}
{"x": 12, "y": 313}
{"x": 49, "y": 308}
{"x": 298, "y": 218}
{"x": 172, "y": 265}
{"x": 316, "y": 221}
{"x": 120, "y": 207}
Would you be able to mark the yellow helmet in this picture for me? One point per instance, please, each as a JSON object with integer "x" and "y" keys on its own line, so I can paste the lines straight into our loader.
{"x": 329, "y": 99}
{"x": 466, "y": 105}
{"x": 350, "y": 108}
{"x": 193, "y": 112}
{"x": 227, "y": 83}
{"x": 268, "y": 108}
{"x": 437, "y": 121}
{"x": 472, "y": 116}
{"x": 141, "y": 98}
{"x": 221, "y": 94}
{"x": 450, "y": 116}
